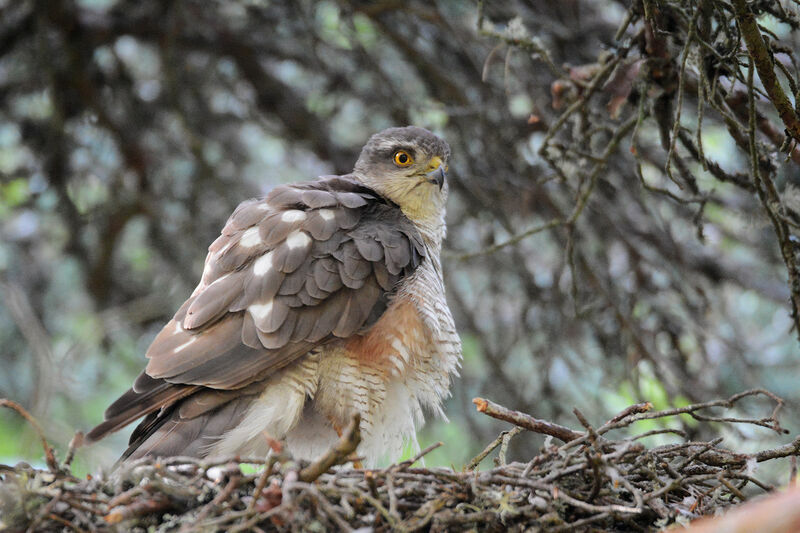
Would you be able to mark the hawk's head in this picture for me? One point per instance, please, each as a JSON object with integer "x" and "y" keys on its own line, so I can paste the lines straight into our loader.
{"x": 407, "y": 166}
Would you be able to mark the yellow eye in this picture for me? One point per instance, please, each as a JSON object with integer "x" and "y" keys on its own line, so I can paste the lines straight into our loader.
{"x": 402, "y": 158}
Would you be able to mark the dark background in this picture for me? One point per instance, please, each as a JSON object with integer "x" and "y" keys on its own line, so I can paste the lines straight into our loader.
{"x": 129, "y": 130}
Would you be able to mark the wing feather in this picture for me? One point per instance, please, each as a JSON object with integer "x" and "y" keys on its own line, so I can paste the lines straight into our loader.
{"x": 316, "y": 199}
{"x": 214, "y": 301}
{"x": 309, "y": 263}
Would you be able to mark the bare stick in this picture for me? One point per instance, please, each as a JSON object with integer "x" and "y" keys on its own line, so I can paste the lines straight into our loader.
{"x": 486, "y": 451}
{"x": 526, "y": 421}
{"x": 410, "y": 462}
{"x": 764, "y": 65}
{"x": 74, "y": 444}
{"x": 50, "y": 457}
{"x": 338, "y": 454}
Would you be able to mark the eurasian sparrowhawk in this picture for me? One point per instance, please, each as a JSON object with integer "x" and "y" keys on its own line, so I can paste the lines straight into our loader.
{"x": 322, "y": 299}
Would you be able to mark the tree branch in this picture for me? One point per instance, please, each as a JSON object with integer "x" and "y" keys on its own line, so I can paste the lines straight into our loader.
{"x": 762, "y": 57}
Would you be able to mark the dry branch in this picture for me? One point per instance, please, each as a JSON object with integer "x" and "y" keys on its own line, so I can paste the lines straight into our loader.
{"x": 494, "y": 410}
{"x": 593, "y": 481}
{"x": 765, "y": 66}
{"x": 669, "y": 53}
{"x": 337, "y": 455}
{"x": 50, "y": 457}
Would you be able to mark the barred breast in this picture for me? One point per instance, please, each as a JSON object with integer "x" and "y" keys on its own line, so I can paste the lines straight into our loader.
{"x": 391, "y": 375}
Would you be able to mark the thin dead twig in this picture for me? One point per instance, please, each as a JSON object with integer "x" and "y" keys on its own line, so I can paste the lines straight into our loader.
{"x": 336, "y": 455}
{"x": 50, "y": 457}
{"x": 604, "y": 482}
{"x": 526, "y": 421}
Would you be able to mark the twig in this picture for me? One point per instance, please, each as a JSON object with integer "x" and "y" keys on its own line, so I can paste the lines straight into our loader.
{"x": 499, "y": 246}
{"x": 75, "y": 443}
{"x": 473, "y": 464}
{"x": 410, "y": 462}
{"x": 764, "y": 64}
{"x": 50, "y": 457}
{"x": 614, "y": 484}
{"x": 338, "y": 454}
{"x": 526, "y": 421}
{"x": 501, "y": 455}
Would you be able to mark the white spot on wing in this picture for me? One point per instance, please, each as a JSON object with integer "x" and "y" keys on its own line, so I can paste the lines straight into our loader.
{"x": 185, "y": 344}
{"x": 293, "y": 215}
{"x": 260, "y": 311}
{"x": 298, "y": 239}
{"x": 263, "y": 264}
{"x": 250, "y": 238}
{"x": 326, "y": 214}
{"x": 178, "y": 328}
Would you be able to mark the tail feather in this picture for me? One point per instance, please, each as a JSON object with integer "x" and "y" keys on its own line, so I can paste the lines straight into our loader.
{"x": 133, "y": 405}
{"x": 179, "y": 419}
{"x": 168, "y": 433}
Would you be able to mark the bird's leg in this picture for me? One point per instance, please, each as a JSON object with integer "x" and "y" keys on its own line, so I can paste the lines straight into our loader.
{"x": 358, "y": 465}
{"x": 275, "y": 445}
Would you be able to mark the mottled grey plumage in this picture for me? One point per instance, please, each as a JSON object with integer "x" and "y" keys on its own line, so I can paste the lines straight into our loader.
{"x": 305, "y": 272}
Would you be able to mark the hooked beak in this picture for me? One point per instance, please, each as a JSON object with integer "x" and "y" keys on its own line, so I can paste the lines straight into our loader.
{"x": 436, "y": 172}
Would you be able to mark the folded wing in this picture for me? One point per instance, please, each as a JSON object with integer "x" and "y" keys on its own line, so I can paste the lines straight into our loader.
{"x": 308, "y": 264}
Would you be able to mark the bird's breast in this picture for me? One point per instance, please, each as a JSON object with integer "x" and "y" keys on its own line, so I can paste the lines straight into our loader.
{"x": 356, "y": 374}
{"x": 386, "y": 374}
{"x": 394, "y": 342}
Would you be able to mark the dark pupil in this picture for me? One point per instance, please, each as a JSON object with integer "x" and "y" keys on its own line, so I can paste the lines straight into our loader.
{"x": 403, "y": 158}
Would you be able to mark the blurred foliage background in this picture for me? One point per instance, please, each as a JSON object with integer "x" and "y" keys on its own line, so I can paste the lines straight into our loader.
{"x": 609, "y": 241}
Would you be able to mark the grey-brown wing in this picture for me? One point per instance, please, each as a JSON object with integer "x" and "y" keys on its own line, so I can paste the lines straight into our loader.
{"x": 309, "y": 263}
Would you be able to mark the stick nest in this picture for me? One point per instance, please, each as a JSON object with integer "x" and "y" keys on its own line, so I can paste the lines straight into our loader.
{"x": 590, "y": 482}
